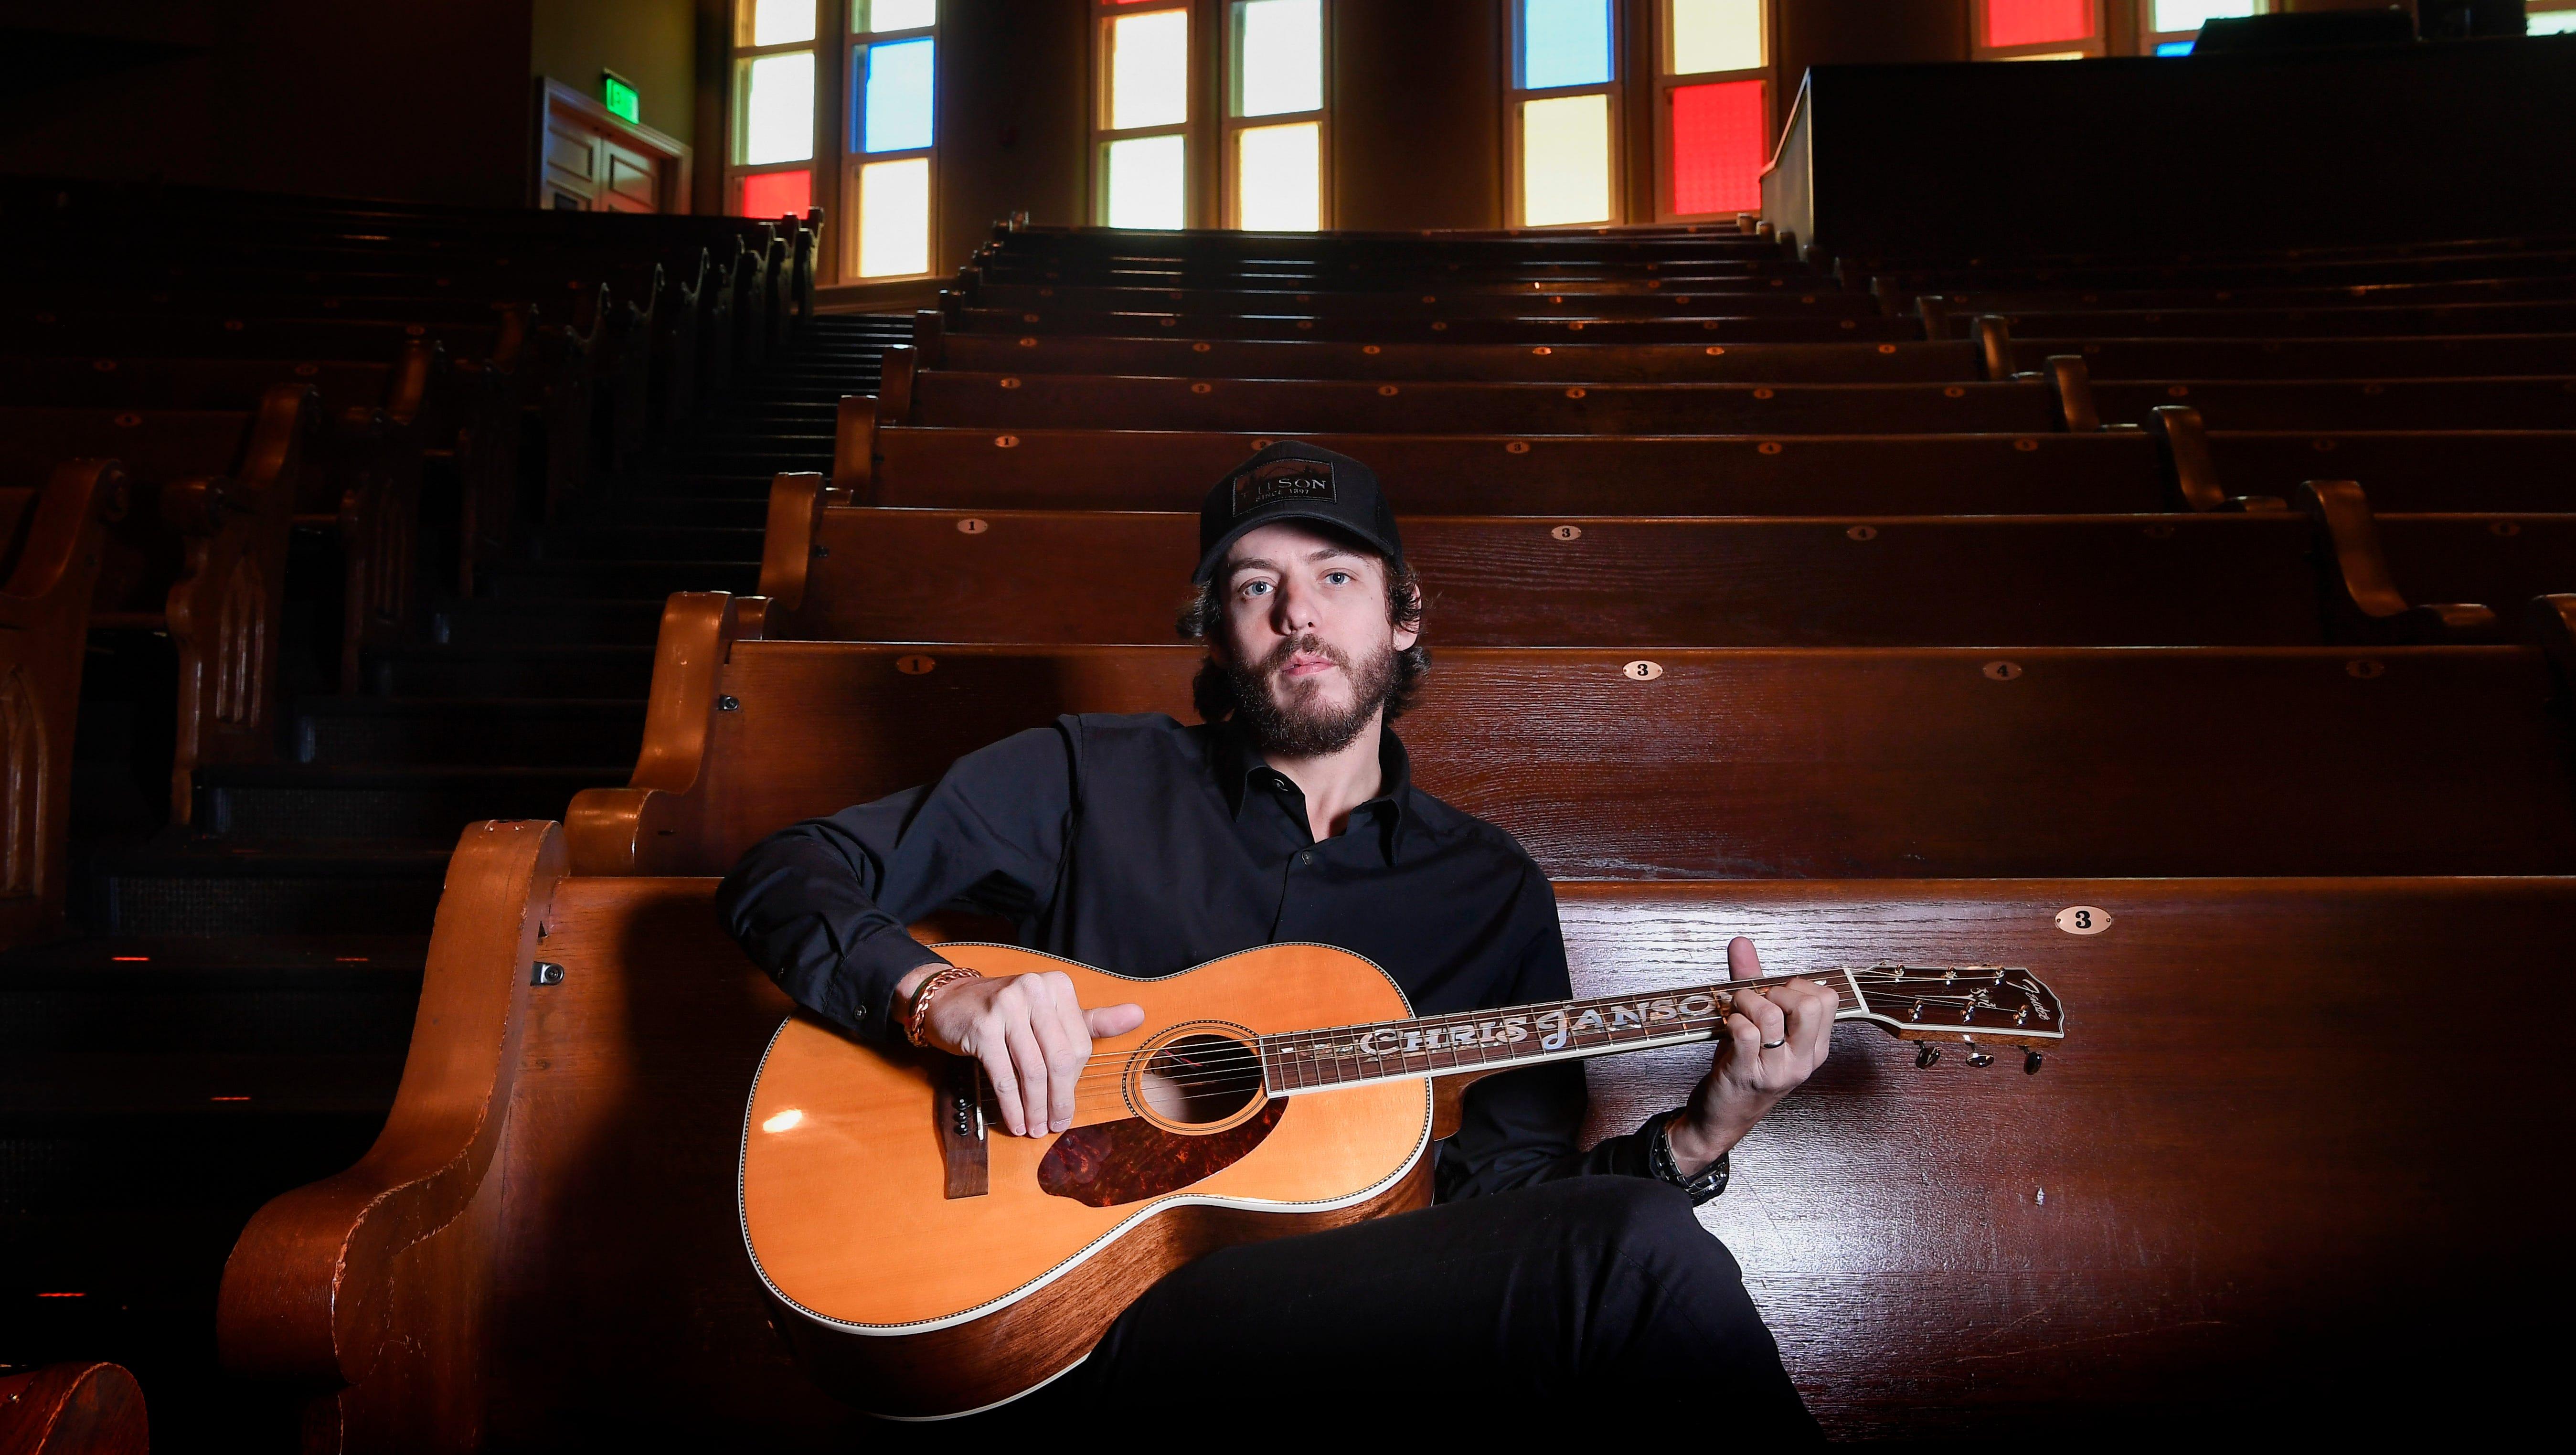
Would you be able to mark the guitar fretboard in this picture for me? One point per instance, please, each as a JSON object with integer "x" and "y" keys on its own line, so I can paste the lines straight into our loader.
{"x": 1297, "y": 1061}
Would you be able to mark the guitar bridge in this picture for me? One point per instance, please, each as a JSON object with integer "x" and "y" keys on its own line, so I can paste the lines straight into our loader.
{"x": 957, "y": 1115}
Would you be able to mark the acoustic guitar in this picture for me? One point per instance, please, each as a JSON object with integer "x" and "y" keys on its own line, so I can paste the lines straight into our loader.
{"x": 923, "y": 1268}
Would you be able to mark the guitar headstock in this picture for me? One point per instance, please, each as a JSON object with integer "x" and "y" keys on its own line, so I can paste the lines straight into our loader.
{"x": 1978, "y": 1004}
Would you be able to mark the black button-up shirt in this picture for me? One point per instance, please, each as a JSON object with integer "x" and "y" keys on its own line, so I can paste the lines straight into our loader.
{"x": 1142, "y": 846}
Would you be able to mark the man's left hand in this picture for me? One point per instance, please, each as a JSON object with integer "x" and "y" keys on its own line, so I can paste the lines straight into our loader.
{"x": 1775, "y": 1038}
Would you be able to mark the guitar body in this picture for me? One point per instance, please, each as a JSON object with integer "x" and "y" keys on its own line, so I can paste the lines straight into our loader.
{"x": 906, "y": 1300}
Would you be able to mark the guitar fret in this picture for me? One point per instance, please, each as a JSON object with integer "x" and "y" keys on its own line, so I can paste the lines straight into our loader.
{"x": 1432, "y": 1045}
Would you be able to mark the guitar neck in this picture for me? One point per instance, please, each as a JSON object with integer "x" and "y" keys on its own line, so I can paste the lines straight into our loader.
{"x": 1482, "y": 1040}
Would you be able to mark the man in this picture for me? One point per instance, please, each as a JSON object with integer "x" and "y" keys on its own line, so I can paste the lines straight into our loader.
{"x": 1137, "y": 844}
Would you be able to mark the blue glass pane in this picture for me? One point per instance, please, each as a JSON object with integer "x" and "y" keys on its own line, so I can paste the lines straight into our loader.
{"x": 2174, "y": 48}
{"x": 897, "y": 96}
{"x": 1565, "y": 43}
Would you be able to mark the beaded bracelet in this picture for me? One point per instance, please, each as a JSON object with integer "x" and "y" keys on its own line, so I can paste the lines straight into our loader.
{"x": 921, "y": 997}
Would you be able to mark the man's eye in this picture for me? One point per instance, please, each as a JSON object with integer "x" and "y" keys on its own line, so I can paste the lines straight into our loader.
{"x": 1337, "y": 578}
{"x": 1256, "y": 588}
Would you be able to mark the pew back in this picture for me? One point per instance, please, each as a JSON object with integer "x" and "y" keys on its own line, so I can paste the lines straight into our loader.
{"x": 542, "y": 1250}
{"x": 1697, "y": 763}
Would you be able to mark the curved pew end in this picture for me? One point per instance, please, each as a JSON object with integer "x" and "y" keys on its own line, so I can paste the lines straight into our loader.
{"x": 2369, "y": 590}
{"x": 73, "y": 1409}
{"x": 349, "y": 1282}
{"x": 854, "y": 447}
{"x": 788, "y": 547}
{"x": 632, "y": 830}
{"x": 44, "y": 630}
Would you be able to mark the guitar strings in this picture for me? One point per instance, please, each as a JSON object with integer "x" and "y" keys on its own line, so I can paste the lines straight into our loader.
{"x": 1242, "y": 1057}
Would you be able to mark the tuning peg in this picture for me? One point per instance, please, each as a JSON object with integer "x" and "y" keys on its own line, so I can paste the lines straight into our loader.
{"x": 2030, "y": 1062}
{"x": 1925, "y": 1054}
{"x": 1979, "y": 1055}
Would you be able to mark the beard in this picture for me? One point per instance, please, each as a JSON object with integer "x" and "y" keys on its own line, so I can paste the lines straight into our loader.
{"x": 1292, "y": 720}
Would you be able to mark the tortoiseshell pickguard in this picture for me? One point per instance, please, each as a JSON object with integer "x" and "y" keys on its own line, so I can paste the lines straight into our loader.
{"x": 1108, "y": 1163}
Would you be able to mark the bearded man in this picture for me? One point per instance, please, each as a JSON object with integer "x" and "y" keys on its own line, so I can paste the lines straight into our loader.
{"x": 1548, "y": 1281}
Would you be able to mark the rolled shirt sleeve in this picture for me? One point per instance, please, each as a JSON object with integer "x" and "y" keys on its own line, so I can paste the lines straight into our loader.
{"x": 824, "y": 906}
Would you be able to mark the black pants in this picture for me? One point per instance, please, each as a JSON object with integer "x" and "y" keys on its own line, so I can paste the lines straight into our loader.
{"x": 1583, "y": 1299}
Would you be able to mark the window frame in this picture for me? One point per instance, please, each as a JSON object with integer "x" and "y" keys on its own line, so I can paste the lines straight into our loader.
{"x": 851, "y": 133}
{"x": 2091, "y": 47}
{"x": 1191, "y": 128}
{"x": 1667, "y": 82}
{"x": 1516, "y": 96}
{"x": 2149, "y": 37}
{"x": 1230, "y": 125}
{"x": 740, "y": 54}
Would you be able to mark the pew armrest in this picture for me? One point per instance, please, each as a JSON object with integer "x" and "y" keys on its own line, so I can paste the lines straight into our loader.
{"x": 2362, "y": 586}
{"x": 894, "y": 385}
{"x": 788, "y": 547}
{"x": 91, "y": 1409}
{"x": 313, "y": 1288}
{"x": 2074, "y": 382}
{"x": 620, "y": 830}
{"x": 854, "y": 448}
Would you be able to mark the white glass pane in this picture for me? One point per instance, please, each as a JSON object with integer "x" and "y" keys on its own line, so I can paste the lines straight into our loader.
{"x": 2173, "y": 15}
{"x": 894, "y": 218}
{"x": 1149, "y": 69}
{"x": 2045, "y": 56}
{"x": 1145, "y": 182}
{"x": 1565, "y": 160}
{"x": 778, "y": 108}
{"x": 1279, "y": 178}
{"x": 781, "y": 22}
{"x": 896, "y": 14}
{"x": 1716, "y": 35}
{"x": 2550, "y": 22}
{"x": 1283, "y": 56}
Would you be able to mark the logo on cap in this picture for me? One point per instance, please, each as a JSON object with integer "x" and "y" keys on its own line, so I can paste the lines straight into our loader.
{"x": 1283, "y": 480}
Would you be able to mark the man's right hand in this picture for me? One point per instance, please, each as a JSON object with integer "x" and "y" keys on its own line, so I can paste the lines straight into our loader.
{"x": 1031, "y": 1036}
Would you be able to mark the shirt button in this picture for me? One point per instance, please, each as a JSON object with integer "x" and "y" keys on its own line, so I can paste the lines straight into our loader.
{"x": 1307, "y": 857}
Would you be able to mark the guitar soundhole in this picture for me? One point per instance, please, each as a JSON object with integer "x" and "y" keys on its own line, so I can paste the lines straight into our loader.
{"x": 1200, "y": 1080}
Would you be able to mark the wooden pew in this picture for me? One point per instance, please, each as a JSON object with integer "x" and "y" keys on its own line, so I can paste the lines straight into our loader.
{"x": 1716, "y": 326}
{"x": 1076, "y": 469}
{"x": 909, "y": 396}
{"x": 200, "y": 552}
{"x": 73, "y": 1409}
{"x": 862, "y": 573}
{"x": 541, "y": 1249}
{"x": 366, "y": 492}
{"x": 2429, "y": 357}
{"x": 56, "y": 536}
{"x": 1525, "y": 302}
{"x": 2369, "y": 268}
{"x": 2544, "y": 402}
{"x": 2115, "y": 472}
{"x": 1797, "y": 763}
{"x": 1946, "y": 361}
{"x": 2360, "y": 320}
{"x": 2558, "y": 284}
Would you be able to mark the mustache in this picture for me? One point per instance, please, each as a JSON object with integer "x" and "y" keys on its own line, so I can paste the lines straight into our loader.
{"x": 1309, "y": 645}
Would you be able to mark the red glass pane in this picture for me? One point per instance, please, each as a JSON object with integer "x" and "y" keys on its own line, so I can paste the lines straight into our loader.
{"x": 777, "y": 194}
{"x": 2035, "y": 22}
{"x": 1721, "y": 138}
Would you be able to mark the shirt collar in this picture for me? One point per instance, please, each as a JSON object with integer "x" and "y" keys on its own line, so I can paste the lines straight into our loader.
{"x": 1240, "y": 766}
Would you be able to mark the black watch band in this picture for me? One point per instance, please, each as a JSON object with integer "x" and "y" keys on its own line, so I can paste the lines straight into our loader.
{"x": 1660, "y": 1164}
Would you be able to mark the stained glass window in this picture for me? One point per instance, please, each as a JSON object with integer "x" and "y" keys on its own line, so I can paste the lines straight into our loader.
{"x": 2037, "y": 22}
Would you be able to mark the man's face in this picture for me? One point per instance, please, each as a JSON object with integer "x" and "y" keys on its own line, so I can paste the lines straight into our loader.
{"x": 1306, "y": 637}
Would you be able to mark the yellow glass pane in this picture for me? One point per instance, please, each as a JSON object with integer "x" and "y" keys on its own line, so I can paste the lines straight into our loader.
{"x": 1279, "y": 177}
{"x": 1149, "y": 69}
{"x": 1565, "y": 160}
{"x": 1716, "y": 35}
{"x": 894, "y": 218}
{"x": 1282, "y": 56}
{"x": 2180, "y": 15}
{"x": 2046, "y": 56}
{"x": 1147, "y": 182}
{"x": 781, "y": 22}
{"x": 778, "y": 108}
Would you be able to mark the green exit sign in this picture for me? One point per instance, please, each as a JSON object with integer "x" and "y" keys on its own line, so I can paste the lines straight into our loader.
{"x": 621, "y": 97}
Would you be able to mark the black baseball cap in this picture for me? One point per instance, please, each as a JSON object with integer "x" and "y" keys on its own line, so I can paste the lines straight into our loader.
{"x": 1293, "y": 480}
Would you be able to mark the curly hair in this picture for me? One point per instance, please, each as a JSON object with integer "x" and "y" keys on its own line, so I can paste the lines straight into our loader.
{"x": 1213, "y": 694}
